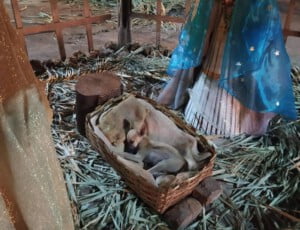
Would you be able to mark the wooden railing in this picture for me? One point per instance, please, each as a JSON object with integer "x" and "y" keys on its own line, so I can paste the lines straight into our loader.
{"x": 57, "y": 26}
{"x": 126, "y": 14}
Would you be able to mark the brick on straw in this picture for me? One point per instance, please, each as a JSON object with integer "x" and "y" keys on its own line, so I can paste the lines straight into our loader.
{"x": 183, "y": 213}
{"x": 208, "y": 191}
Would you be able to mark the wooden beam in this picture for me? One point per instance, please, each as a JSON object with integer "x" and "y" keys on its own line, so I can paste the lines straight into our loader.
{"x": 187, "y": 7}
{"x": 124, "y": 34}
{"x": 51, "y": 27}
{"x": 17, "y": 15}
{"x": 162, "y": 18}
{"x": 293, "y": 33}
{"x": 58, "y": 30}
{"x": 288, "y": 18}
{"x": 158, "y": 21}
{"x": 88, "y": 27}
{"x": 18, "y": 20}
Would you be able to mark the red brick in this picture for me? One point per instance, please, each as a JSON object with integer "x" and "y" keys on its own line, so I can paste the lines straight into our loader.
{"x": 184, "y": 213}
{"x": 208, "y": 191}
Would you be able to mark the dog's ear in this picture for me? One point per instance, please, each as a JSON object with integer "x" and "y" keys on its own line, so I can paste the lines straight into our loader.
{"x": 126, "y": 125}
{"x": 143, "y": 130}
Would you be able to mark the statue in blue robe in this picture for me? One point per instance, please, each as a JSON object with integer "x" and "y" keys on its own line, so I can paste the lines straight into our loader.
{"x": 240, "y": 49}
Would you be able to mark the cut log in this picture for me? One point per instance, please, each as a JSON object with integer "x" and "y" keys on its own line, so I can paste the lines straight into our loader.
{"x": 93, "y": 90}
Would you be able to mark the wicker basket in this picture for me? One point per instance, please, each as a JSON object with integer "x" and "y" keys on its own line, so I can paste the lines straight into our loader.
{"x": 158, "y": 198}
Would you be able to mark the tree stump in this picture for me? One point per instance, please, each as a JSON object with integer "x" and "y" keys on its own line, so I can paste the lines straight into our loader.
{"x": 93, "y": 90}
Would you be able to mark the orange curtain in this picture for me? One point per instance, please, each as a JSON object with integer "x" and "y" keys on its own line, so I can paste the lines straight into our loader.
{"x": 32, "y": 189}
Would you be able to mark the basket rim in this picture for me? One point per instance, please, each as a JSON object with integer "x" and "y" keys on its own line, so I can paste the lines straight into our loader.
{"x": 178, "y": 122}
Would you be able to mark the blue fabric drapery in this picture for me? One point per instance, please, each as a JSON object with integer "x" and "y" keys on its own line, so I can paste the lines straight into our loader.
{"x": 188, "y": 53}
{"x": 255, "y": 65}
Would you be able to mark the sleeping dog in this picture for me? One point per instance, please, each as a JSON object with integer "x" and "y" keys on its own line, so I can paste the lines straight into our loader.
{"x": 157, "y": 157}
{"x": 116, "y": 122}
{"x": 158, "y": 127}
{"x": 143, "y": 117}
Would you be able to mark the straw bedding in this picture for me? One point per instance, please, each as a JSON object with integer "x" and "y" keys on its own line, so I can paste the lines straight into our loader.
{"x": 261, "y": 174}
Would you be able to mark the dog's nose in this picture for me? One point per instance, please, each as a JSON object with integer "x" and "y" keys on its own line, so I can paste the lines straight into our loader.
{"x": 129, "y": 148}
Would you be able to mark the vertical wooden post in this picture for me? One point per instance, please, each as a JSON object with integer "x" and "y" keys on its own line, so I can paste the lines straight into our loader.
{"x": 124, "y": 36}
{"x": 17, "y": 15}
{"x": 89, "y": 34}
{"x": 58, "y": 30}
{"x": 187, "y": 7}
{"x": 288, "y": 18}
{"x": 18, "y": 20}
{"x": 158, "y": 21}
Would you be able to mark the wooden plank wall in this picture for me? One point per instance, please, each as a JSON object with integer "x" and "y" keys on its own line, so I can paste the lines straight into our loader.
{"x": 57, "y": 26}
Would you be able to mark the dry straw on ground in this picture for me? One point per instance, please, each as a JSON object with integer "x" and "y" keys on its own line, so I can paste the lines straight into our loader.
{"x": 262, "y": 174}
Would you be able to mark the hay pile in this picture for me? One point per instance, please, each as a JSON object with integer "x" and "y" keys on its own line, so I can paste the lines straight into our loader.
{"x": 262, "y": 175}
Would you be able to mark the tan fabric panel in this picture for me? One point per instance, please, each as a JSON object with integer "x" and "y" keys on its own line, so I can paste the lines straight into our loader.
{"x": 32, "y": 189}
